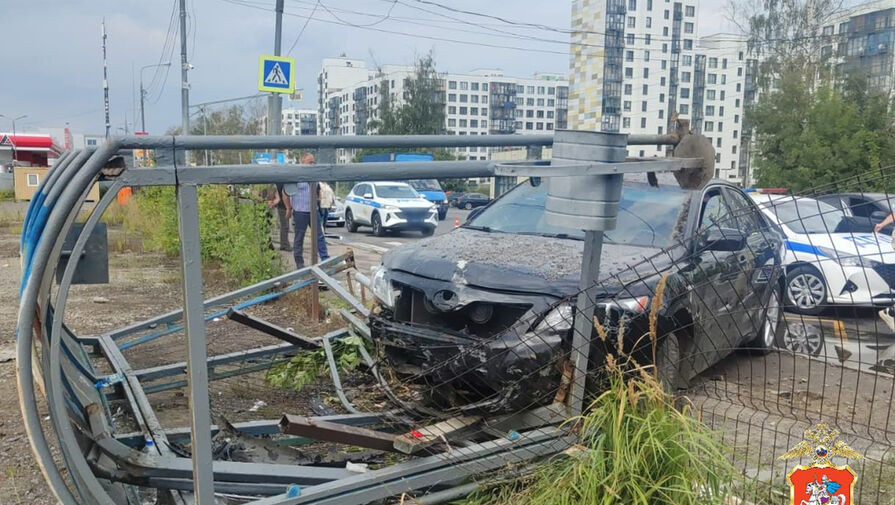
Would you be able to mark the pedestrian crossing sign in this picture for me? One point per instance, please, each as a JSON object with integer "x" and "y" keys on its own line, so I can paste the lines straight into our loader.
{"x": 276, "y": 74}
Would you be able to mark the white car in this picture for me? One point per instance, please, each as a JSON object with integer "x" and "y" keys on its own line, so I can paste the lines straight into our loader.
{"x": 386, "y": 206}
{"x": 825, "y": 266}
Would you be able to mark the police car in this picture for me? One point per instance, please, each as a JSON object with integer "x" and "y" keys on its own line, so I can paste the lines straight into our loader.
{"x": 386, "y": 206}
{"x": 824, "y": 264}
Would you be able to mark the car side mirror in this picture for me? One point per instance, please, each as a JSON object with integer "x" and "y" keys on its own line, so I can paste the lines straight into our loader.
{"x": 368, "y": 196}
{"x": 878, "y": 216}
{"x": 722, "y": 239}
{"x": 472, "y": 215}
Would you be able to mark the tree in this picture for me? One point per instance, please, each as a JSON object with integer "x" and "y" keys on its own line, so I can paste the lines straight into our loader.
{"x": 809, "y": 137}
{"x": 422, "y": 112}
{"x": 232, "y": 120}
{"x": 785, "y": 34}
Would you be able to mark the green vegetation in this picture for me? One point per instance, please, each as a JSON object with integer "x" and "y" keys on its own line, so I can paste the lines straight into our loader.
{"x": 235, "y": 232}
{"x": 8, "y": 194}
{"x": 636, "y": 448}
{"x": 306, "y": 367}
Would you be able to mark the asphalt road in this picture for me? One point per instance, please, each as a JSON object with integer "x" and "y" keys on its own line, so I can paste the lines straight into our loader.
{"x": 364, "y": 235}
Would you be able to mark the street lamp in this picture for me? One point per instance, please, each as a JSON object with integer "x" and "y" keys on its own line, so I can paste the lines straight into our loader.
{"x": 143, "y": 92}
{"x": 13, "y": 120}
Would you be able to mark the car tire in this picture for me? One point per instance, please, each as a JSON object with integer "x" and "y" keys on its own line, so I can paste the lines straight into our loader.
{"x": 805, "y": 291}
{"x": 468, "y": 206}
{"x": 442, "y": 215}
{"x": 428, "y": 232}
{"x": 376, "y": 223}
{"x": 769, "y": 335}
{"x": 800, "y": 337}
{"x": 668, "y": 362}
{"x": 350, "y": 223}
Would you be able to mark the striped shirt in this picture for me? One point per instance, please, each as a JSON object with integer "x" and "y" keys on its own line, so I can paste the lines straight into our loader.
{"x": 301, "y": 200}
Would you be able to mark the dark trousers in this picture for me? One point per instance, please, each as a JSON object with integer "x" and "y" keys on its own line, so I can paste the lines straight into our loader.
{"x": 284, "y": 228}
{"x": 302, "y": 221}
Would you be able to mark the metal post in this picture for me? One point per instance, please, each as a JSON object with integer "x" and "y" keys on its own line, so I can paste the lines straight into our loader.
{"x": 194, "y": 322}
{"x": 184, "y": 79}
{"x": 275, "y": 101}
{"x": 106, "y": 81}
{"x": 584, "y": 316}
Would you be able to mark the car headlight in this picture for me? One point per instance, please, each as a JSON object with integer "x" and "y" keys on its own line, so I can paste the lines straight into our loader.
{"x": 381, "y": 286}
{"x": 635, "y": 305}
{"x": 848, "y": 260}
{"x": 559, "y": 319}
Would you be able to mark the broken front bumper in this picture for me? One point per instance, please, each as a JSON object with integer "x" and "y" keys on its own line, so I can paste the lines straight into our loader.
{"x": 509, "y": 372}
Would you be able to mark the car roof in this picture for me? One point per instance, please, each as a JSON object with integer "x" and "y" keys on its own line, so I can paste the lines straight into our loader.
{"x": 387, "y": 183}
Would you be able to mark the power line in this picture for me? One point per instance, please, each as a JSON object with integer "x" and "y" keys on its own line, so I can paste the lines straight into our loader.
{"x": 169, "y": 39}
{"x": 302, "y": 31}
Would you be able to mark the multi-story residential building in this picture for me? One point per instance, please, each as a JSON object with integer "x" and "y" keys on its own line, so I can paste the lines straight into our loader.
{"x": 659, "y": 55}
{"x": 861, "y": 39}
{"x": 723, "y": 86}
{"x": 335, "y": 75}
{"x": 296, "y": 122}
{"x": 482, "y": 102}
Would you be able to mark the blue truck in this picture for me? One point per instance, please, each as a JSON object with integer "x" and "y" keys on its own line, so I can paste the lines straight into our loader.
{"x": 429, "y": 188}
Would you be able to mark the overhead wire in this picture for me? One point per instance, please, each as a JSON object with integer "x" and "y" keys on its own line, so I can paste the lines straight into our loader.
{"x": 169, "y": 40}
{"x": 302, "y": 31}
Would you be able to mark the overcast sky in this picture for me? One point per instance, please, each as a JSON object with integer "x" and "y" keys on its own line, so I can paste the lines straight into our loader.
{"x": 52, "y": 60}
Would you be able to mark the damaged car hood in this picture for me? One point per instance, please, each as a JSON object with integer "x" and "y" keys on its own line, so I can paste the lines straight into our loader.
{"x": 510, "y": 262}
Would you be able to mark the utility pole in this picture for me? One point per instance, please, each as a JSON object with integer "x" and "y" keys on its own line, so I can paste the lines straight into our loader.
{"x": 184, "y": 78}
{"x": 275, "y": 102}
{"x": 106, "y": 81}
{"x": 143, "y": 93}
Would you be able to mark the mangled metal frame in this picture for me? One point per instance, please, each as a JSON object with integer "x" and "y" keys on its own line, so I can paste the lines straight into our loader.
{"x": 99, "y": 464}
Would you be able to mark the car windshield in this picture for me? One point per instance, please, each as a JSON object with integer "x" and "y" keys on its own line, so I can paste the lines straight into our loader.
{"x": 425, "y": 185}
{"x": 806, "y": 215}
{"x": 647, "y": 216}
{"x": 395, "y": 191}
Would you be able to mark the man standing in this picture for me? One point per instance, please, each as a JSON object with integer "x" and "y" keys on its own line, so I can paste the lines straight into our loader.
{"x": 326, "y": 202}
{"x": 299, "y": 207}
{"x": 280, "y": 199}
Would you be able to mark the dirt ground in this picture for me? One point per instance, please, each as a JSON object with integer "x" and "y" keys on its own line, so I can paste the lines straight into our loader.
{"x": 145, "y": 285}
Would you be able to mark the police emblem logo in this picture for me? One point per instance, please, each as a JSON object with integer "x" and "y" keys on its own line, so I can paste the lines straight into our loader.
{"x": 821, "y": 483}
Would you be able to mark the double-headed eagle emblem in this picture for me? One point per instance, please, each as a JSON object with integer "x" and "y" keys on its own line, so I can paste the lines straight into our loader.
{"x": 822, "y": 445}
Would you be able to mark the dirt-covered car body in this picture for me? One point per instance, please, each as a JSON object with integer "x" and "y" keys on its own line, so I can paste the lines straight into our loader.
{"x": 484, "y": 313}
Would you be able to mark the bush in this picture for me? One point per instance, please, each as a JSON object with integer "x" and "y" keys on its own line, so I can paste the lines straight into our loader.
{"x": 307, "y": 366}
{"x": 233, "y": 231}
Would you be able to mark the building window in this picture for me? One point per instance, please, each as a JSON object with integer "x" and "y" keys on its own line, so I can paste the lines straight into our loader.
{"x": 530, "y": 102}
{"x": 828, "y": 30}
{"x": 661, "y": 114}
{"x": 463, "y": 111}
{"x": 626, "y": 106}
{"x": 662, "y": 81}
{"x": 690, "y": 11}
{"x": 632, "y": 5}
{"x": 474, "y": 98}
{"x": 539, "y": 114}
{"x": 738, "y": 87}
{"x": 541, "y": 90}
{"x": 629, "y": 73}
{"x": 645, "y": 89}
{"x": 709, "y": 126}
{"x": 649, "y": 22}
{"x": 717, "y": 157}
{"x": 723, "y": 78}
{"x": 646, "y": 73}
{"x": 540, "y": 102}
{"x": 539, "y": 126}
{"x": 628, "y": 89}
{"x": 646, "y": 56}
{"x": 520, "y": 88}
{"x": 664, "y": 64}
{"x": 661, "y": 97}
{"x": 724, "y": 63}
{"x": 629, "y": 39}
{"x": 659, "y": 130}
{"x": 643, "y": 122}
{"x": 549, "y": 126}
{"x": 710, "y": 94}
{"x": 664, "y": 31}
{"x": 529, "y": 113}
{"x": 452, "y": 97}
{"x": 643, "y": 106}
{"x": 484, "y": 98}
{"x": 664, "y": 48}
{"x": 626, "y": 122}
{"x": 722, "y": 96}
{"x": 733, "y": 149}
{"x": 685, "y": 92}
{"x": 688, "y": 27}
{"x": 713, "y": 62}
{"x": 473, "y": 123}
{"x": 464, "y": 86}
{"x": 452, "y": 109}
{"x": 452, "y": 84}
{"x": 91, "y": 142}
{"x": 686, "y": 60}
{"x": 551, "y": 90}
{"x": 484, "y": 111}
{"x": 720, "y": 126}
{"x": 629, "y": 55}
{"x": 685, "y": 109}
{"x": 33, "y": 180}
{"x": 473, "y": 111}
{"x": 666, "y": 13}
{"x": 735, "y": 133}
{"x": 529, "y": 126}
{"x": 551, "y": 102}
{"x": 685, "y": 76}
{"x": 740, "y": 56}
{"x": 549, "y": 114}
{"x": 709, "y": 110}
{"x": 484, "y": 123}
{"x": 721, "y": 111}
{"x": 688, "y": 44}
{"x": 631, "y": 21}
{"x": 464, "y": 98}
{"x": 736, "y": 118}
{"x": 530, "y": 90}
{"x": 711, "y": 78}
{"x": 646, "y": 39}
{"x": 718, "y": 142}
{"x": 463, "y": 123}
{"x": 452, "y": 122}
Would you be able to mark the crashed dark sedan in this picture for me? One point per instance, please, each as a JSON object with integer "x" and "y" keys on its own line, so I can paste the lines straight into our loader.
{"x": 483, "y": 315}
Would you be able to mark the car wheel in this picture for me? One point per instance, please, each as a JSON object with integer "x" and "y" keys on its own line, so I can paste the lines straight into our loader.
{"x": 668, "y": 362}
{"x": 468, "y": 206}
{"x": 802, "y": 338}
{"x": 427, "y": 232}
{"x": 349, "y": 221}
{"x": 806, "y": 291}
{"x": 376, "y": 222}
{"x": 767, "y": 336}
